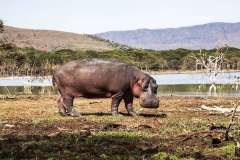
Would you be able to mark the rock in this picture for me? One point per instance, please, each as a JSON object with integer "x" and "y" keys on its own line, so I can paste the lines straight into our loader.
{"x": 198, "y": 155}
{"x": 144, "y": 126}
{"x": 54, "y": 134}
{"x": 9, "y": 126}
{"x": 148, "y": 147}
{"x": 110, "y": 126}
{"x": 237, "y": 150}
{"x": 216, "y": 141}
{"x": 217, "y": 127}
{"x": 85, "y": 133}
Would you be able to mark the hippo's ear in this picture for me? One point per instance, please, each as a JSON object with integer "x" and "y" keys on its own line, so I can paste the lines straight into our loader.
{"x": 154, "y": 83}
{"x": 143, "y": 83}
{"x": 140, "y": 86}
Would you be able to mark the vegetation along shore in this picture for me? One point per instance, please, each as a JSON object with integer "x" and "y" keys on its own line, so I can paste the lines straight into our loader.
{"x": 29, "y": 61}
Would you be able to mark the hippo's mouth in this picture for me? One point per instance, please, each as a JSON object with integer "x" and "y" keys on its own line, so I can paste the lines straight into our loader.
{"x": 150, "y": 104}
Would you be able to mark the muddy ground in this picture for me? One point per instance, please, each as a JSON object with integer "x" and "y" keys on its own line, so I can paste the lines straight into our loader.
{"x": 31, "y": 128}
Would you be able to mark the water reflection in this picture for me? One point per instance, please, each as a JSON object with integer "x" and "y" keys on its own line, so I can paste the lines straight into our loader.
{"x": 194, "y": 84}
{"x": 163, "y": 90}
{"x": 198, "y": 90}
{"x": 162, "y": 79}
{"x": 27, "y": 90}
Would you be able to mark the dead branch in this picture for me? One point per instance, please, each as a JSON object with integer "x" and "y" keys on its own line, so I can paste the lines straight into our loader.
{"x": 231, "y": 122}
{"x": 219, "y": 109}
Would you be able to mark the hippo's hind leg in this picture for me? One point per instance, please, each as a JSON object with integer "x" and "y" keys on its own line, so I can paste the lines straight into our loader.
{"x": 68, "y": 105}
{"x": 61, "y": 107}
{"x": 128, "y": 100}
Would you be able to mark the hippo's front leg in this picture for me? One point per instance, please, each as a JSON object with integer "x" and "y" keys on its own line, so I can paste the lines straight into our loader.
{"x": 128, "y": 100}
{"x": 61, "y": 107}
{"x": 116, "y": 99}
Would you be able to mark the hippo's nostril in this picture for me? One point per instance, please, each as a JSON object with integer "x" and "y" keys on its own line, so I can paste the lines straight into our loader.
{"x": 156, "y": 103}
{"x": 143, "y": 100}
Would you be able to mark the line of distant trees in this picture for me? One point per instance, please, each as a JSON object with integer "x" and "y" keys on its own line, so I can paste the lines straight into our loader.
{"x": 29, "y": 61}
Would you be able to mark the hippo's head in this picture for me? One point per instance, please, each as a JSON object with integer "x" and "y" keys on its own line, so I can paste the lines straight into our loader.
{"x": 146, "y": 89}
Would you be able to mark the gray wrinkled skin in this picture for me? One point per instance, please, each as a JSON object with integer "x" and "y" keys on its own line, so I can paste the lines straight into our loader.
{"x": 104, "y": 79}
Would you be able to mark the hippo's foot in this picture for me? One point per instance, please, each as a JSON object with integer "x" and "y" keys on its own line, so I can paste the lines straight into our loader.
{"x": 115, "y": 114}
{"x": 133, "y": 113}
{"x": 63, "y": 113}
{"x": 74, "y": 113}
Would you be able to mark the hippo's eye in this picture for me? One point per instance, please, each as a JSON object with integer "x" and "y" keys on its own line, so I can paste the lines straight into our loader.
{"x": 155, "y": 90}
{"x": 145, "y": 88}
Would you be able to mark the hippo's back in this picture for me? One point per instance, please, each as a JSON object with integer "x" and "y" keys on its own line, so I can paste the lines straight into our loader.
{"x": 95, "y": 66}
{"x": 94, "y": 75}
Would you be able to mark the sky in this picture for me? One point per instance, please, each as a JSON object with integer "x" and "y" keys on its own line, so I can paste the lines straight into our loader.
{"x": 95, "y": 16}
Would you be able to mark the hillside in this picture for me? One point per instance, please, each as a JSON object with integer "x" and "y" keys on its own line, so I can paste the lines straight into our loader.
{"x": 206, "y": 36}
{"x": 48, "y": 40}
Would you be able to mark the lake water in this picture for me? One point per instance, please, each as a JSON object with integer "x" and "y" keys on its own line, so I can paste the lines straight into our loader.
{"x": 195, "y": 78}
{"x": 185, "y": 84}
{"x": 26, "y": 81}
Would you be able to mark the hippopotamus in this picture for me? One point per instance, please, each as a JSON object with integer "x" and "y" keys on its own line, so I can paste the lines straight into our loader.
{"x": 104, "y": 79}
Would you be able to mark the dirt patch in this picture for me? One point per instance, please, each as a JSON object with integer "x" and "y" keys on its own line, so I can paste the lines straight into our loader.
{"x": 31, "y": 128}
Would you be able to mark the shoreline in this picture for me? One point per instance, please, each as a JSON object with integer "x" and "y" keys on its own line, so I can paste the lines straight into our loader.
{"x": 148, "y": 72}
{"x": 184, "y": 72}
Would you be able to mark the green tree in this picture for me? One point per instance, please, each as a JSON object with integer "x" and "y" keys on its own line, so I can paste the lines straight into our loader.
{"x": 1, "y": 26}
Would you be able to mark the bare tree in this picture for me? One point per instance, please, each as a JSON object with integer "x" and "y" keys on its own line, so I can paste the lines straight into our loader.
{"x": 211, "y": 66}
{"x": 236, "y": 82}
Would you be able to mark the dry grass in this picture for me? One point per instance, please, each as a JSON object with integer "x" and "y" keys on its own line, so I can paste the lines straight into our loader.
{"x": 177, "y": 129}
{"x": 50, "y": 40}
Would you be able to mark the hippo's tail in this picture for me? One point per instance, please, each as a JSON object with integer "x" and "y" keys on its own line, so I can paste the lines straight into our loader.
{"x": 53, "y": 80}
